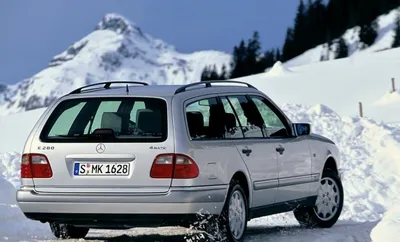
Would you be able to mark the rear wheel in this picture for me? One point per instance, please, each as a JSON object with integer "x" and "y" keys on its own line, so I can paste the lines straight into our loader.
{"x": 328, "y": 205}
{"x": 67, "y": 231}
{"x": 231, "y": 225}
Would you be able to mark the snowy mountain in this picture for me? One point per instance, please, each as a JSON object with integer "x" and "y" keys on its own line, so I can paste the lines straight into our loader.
{"x": 325, "y": 52}
{"x": 116, "y": 49}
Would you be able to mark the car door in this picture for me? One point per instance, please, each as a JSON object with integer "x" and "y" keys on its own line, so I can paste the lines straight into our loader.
{"x": 257, "y": 153}
{"x": 294, "y": 160}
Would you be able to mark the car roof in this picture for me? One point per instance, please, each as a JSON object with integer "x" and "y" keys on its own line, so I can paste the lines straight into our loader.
{"x": 162, "y": 90}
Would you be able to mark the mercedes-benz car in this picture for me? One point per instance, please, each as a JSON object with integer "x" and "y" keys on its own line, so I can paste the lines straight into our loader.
{"x": 127, "y": 154}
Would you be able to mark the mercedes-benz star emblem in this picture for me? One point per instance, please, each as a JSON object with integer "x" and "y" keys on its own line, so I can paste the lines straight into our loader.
{"x": 100, "y": 148}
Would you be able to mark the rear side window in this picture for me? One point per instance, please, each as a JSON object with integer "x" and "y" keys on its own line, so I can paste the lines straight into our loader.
{"x": 107, "y": 120}
{"x": 206, "y": 119}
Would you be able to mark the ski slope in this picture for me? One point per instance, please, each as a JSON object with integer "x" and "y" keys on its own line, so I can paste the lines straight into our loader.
{"x": 339, "y": 84}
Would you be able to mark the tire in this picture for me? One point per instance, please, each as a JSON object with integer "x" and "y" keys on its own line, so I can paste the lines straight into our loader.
{"x": 310, "y": 217}
{"x": 225, "y": 230}
{"x": 67, "y": 231}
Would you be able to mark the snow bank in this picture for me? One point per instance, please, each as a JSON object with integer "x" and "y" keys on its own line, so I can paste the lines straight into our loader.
{"x": 14, "y": 226}
{"x": 370, "y": 155}
{"x": 10, "y": 167}
{"x": 16, "y": 128}
{"x": 389, "y": 228}
{"x": 278, "y": 70}
{"x": 389, "y": 98}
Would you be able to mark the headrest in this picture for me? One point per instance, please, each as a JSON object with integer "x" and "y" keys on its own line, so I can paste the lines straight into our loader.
{"x": 230, "y": 121}
{"x": 149, "y": 121}
{"x": 195, "y": 123}
{"x": 114, "y": 121}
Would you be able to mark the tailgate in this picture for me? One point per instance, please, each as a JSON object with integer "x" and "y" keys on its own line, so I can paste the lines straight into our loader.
{"x": 104, "y": 145}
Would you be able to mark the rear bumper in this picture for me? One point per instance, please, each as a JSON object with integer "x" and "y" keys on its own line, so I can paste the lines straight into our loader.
{"x": 172, "y": 208}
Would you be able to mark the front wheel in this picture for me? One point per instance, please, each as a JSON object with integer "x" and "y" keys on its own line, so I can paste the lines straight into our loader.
{"x": 328, "y": 206}
{"x": 67, "y": 231}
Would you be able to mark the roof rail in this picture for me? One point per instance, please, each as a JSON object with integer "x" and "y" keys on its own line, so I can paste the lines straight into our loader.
{"x": 107, "y": 85}
{"x": 208, "y": 84}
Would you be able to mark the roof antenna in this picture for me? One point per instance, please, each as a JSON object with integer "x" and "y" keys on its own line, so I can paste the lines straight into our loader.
{"x": 127, "y": 89}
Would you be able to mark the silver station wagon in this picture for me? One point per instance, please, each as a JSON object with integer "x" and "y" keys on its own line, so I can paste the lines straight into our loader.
{"x": 127, "y": 154}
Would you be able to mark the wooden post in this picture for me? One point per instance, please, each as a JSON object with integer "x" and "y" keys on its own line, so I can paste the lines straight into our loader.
{"x": 393, "y": 85}
{"x": 360, "y": 107}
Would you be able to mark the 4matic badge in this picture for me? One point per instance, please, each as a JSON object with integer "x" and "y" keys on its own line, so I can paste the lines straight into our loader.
{"x": 158, "y": 148}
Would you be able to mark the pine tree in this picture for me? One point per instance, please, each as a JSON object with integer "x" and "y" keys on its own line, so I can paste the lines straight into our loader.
{"x": 396, "y": 40}
{"x": 223, "y": 75}
{"x": 246, "y": 58}
{"x": 316, "y": 24}
{"x": 214, "y": 74}
{"x": 368, "y": 34}
{"x": 210, "y": 74}
{"x": 205, "y": 75}
{"x": 238, "y": 61}
{"x": 337, "y": 17}
{"x": 252, "y": 56}
{"x": 342, "y": 50}
{"x": 289, "y": 45}
{"x": 278, "y": 56}
{"x": 268, "y": 59}
{"x": 300, "y": 30}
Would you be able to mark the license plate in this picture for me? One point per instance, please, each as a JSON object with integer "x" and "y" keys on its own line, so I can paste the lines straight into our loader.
{"x": 101, "y": 169}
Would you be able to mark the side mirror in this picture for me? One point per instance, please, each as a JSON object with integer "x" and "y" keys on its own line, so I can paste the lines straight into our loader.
{"x": 302, "y": 128}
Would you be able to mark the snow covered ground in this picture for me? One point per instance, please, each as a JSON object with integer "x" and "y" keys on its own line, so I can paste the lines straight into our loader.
{"x": 389, "y": 228}
{"x": 370, "y": 158}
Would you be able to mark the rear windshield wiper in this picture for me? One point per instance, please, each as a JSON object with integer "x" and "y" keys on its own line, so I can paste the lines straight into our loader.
{"x": 70, "y": 136}
{"x": 150, "y": 134}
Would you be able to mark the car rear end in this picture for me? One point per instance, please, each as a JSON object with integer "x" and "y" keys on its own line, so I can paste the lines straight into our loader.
{"x": 108, "y": 162}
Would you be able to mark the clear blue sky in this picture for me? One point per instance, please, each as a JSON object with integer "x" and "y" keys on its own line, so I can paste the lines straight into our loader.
{"x": 34, "y": 31}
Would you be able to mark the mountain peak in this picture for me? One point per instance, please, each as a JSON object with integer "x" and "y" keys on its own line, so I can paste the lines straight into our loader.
{"x": 116, "y": 50}
{"x": 118, "y": 23}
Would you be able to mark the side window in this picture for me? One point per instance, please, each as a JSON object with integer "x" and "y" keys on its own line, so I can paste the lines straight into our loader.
{"x": 273, "y": 125}
{"x": 232, "y": 125}
{"x": 249, "y": 117}
{"x": 64, "y": 122}
{"x": 205, "y": 119}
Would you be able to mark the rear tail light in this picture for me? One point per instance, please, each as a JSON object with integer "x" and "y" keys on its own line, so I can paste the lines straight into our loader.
{"x": 174, "y": 166}
{"x": 35, "y": 166}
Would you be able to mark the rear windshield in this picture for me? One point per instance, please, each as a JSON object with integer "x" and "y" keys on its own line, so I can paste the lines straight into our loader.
{"x": 107, "y": 120}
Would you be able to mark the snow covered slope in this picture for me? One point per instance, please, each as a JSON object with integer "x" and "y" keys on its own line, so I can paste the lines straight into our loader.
{"x": 340, "y": 84}
{"x": 18, "y": 125}
{"x": 117, "y": 49}
{"x": 389, "y": 228}
{"x": 383, "y": 41}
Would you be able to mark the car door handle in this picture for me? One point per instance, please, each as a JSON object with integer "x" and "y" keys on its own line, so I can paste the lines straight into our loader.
{"x": 246, "y": 151}
{"x": 280, "y": 149}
